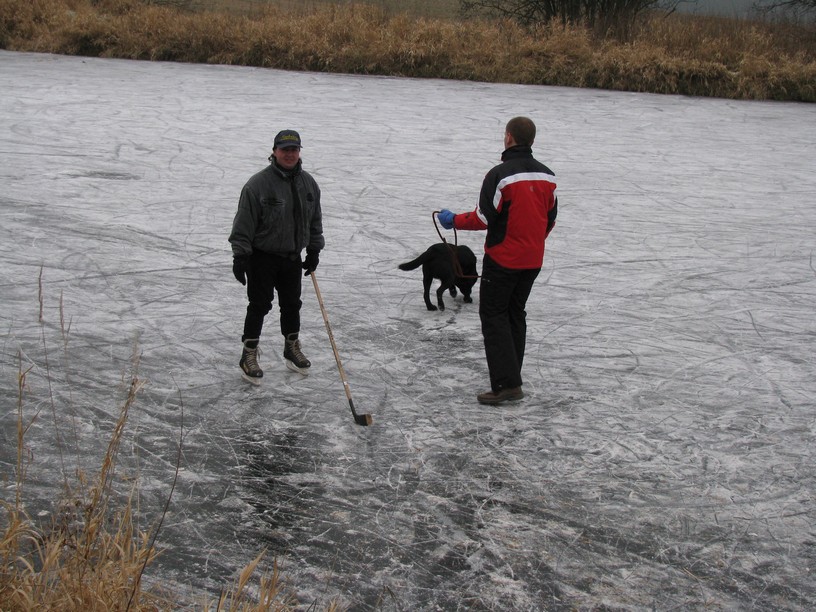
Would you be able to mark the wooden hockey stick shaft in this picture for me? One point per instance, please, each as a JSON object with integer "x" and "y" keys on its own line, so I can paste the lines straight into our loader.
{"x": 360, "y": 419}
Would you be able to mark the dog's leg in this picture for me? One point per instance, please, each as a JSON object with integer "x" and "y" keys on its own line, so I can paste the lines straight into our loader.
{"x": 439, "y": 293}
{"x": 426, "y": 285}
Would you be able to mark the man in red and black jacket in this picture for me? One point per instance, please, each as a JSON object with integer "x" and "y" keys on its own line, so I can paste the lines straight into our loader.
{"x": 517, "y": 207}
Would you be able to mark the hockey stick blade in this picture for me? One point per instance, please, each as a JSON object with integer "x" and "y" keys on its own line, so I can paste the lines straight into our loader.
{"x": 360, "y": 419}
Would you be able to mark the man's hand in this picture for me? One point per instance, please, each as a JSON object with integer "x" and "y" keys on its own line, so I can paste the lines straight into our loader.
{"x": 311, "y": 261}
{"x": 445, "y": 218}
{"x": 240, "y": 263}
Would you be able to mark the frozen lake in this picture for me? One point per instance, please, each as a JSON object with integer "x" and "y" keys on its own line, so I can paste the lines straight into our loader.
{"x": 663, "y": 457}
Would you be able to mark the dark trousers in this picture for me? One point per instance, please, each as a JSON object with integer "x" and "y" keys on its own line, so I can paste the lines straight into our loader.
{"x": 503, "y": 297}
{"x": 266, "y": 275}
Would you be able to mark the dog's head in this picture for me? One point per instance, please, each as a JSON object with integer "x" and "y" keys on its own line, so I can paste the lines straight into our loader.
{"x": 466, "y": 283}
{"x": 467, "y": 260}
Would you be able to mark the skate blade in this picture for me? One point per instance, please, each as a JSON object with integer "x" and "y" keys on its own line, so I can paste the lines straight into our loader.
{"x": 251, "y": 380}
{"x": 291, "y": 365}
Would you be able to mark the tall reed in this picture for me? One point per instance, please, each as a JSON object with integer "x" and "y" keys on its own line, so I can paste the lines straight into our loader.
{"x": 90, "y": 555}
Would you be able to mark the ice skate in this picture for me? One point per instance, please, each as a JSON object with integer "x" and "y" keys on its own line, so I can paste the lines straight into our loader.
{"x": 250, "y": 370}
{"x": 294, "y": 357}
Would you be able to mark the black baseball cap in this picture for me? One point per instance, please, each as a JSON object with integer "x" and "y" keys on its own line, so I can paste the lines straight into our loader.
{"x": 287, "y": 138}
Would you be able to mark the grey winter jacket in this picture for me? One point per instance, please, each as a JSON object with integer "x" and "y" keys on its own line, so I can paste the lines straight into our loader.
{"x": 265, "y": 220}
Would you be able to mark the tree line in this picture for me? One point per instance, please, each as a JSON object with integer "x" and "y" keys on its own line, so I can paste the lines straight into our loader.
{"x": 602, "y": 13}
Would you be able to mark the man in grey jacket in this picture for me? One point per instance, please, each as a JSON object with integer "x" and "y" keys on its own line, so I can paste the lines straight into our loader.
{"x": 278, "y": 216}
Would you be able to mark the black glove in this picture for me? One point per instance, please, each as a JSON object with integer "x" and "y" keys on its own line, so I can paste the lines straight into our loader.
{"x": 311, "y": 261}
{"x": 240, "y": 263}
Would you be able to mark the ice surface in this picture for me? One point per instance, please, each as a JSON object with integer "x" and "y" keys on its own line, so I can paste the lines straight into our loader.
{"x": 663, "y": 457}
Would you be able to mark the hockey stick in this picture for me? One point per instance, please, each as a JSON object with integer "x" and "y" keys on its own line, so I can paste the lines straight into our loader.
{"x": 360, "y": 419}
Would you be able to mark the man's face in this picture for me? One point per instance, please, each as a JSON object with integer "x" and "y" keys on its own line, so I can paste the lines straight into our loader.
{"x": 287, "y": 157}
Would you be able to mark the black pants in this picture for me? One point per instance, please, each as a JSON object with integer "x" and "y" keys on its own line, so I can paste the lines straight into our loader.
{"x": 266, "y": 275}
{"x": 503, "y": 297}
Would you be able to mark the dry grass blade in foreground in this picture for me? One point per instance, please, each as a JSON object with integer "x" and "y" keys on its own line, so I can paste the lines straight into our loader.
{"x": 91, "y": 556}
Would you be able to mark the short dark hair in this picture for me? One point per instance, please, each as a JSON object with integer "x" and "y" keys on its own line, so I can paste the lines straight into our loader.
{"x": 522, "y": 129}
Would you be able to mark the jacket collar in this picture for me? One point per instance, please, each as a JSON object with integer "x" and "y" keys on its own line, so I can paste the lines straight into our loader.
{"x": 287, "y": 173}
{"x": 517, "y": 151}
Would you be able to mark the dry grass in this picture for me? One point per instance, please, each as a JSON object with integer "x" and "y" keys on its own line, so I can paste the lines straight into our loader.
{"x": 90, "y": 555}
{"x": 673, "y": 55}
{"x": 433, "y": 9}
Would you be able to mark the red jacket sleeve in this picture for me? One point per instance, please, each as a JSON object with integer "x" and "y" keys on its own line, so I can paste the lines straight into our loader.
{"x": 468, "y": 221}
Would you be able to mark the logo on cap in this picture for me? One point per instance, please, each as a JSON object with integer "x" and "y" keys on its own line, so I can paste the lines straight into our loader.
{"x": 287, "y": 138}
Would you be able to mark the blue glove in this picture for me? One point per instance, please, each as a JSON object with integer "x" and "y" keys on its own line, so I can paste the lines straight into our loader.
{"x": 446, "y": 218}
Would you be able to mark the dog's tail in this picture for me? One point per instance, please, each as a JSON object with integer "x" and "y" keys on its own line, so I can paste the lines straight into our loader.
{"x": 413, "y": 264}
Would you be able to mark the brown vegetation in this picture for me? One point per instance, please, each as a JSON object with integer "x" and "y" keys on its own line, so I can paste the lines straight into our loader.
{"x": 90, "y": 555}
{"x": 662, "y": 54}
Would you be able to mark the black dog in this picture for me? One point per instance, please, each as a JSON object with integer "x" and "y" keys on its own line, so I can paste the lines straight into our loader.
{"x": 438, "y": 262}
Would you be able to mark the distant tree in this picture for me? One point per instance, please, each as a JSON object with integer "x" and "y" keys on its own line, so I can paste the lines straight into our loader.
{"x": 802, "y": 8}
{"x": 589, "y": 12}
{"x": 808, "y": 5}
